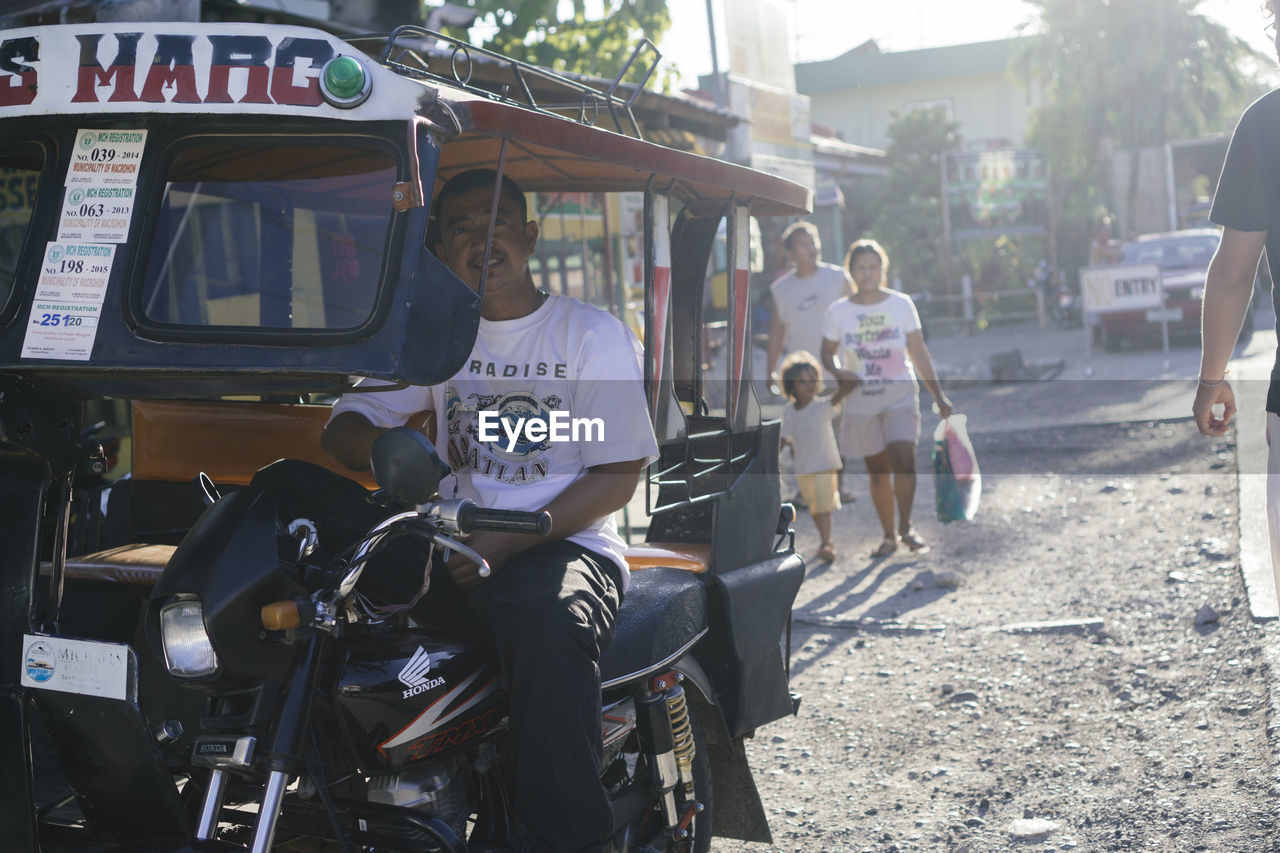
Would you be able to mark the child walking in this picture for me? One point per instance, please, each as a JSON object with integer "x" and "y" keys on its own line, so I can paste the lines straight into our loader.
{"x": 807, "y": 429}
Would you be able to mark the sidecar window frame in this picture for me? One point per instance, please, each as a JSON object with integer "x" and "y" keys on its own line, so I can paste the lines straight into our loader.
{"x": 387, "y": 252}
{"x": 11, "y": 295}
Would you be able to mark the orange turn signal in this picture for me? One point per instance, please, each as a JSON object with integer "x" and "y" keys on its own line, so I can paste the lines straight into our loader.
{"x": 281, "y": 616}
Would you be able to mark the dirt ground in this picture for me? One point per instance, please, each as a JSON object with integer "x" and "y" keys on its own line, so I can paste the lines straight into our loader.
{"x": 936, "y": 719}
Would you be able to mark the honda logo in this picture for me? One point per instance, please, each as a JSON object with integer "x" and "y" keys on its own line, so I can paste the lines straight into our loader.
{"x": 415, "y": 672}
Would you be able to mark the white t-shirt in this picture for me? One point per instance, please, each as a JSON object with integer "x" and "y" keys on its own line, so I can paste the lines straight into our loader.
{"x": 801, "y": 304}
{"x": 872, "y": 343}
{"x": 574, "y": 369}
{"x": 813, "y": 438}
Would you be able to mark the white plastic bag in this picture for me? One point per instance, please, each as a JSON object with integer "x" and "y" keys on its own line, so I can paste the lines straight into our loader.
{"x": 956, "y": 478}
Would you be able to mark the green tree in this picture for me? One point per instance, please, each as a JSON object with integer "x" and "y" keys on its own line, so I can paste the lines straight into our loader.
{"x": 909, "y": 223}
{"x": 564, "y": 37}
{"x": 1123, "y": 76}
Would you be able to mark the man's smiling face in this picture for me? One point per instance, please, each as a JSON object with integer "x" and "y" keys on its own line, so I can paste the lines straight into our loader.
{"x": 464, "y": 226}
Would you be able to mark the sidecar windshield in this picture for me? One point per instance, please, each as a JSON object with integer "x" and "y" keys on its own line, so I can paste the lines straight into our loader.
{"x": 21, "y": 164}
{"x": 270, "y": 236}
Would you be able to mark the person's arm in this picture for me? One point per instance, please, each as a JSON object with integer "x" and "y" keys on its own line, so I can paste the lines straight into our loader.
{"x": 923, "y": 362}
{"x": 349, "y": 437}
{"x": 1227, "y": 290}
{"x": 602, "y": 490}
{"x": 842, "y": 391}
{"x": 777, "y": 337}
{"x": 846, "y": 379}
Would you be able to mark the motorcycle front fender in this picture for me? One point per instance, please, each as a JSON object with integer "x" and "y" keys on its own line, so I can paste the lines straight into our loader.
{"x": 738, "y": 811}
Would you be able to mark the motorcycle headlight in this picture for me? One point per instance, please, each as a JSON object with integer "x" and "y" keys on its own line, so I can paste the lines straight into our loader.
{"x": 187, "y": 650}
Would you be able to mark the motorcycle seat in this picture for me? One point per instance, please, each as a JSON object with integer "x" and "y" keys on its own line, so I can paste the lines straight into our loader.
{"x": 663, "y": 611}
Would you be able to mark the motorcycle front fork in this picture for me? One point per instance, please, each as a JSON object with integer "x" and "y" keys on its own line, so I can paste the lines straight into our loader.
{"x": 268, "y": 813}
{"x": 294, "y": 716}
{"x": 212, "y": 805}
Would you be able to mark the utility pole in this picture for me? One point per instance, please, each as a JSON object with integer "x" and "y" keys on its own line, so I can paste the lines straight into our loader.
{"x": 717, "y": 85}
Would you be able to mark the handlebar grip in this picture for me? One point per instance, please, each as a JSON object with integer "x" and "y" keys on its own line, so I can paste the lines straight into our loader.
{"x": 472, "y": 517}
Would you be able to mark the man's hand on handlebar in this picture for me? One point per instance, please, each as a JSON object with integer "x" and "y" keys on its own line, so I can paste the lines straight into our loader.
{"x": 496, "y": 548}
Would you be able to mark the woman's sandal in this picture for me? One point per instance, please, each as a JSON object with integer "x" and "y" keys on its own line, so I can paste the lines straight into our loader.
{"x": 827, "y": 554}
{"x": 913, "y": 541}
{"x": 887, "y": 547}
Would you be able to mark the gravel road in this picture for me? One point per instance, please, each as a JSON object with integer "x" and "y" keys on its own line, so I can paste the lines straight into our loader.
{"x": 936, "y": 719}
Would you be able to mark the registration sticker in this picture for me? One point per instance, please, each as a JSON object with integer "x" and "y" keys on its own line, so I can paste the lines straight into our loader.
{"x": 86, "y": 667}
{"x": 106, "y": 158}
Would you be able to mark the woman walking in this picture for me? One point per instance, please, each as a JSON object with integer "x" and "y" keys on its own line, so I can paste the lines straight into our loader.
{"x": 871, "y": 342}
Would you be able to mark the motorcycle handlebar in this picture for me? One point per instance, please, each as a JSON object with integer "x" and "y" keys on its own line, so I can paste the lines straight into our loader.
{"x": 472, "y": 517}
{"x": 462, "y": 515}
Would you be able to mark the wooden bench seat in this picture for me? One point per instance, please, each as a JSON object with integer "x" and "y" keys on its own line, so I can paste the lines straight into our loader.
{"x": 141, "y": 565}
{"x": 174, "y": 440}
{"x": 689, "y": 556}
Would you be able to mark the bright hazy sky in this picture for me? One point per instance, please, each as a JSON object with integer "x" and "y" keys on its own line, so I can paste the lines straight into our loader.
{"x": 827, "y": 28}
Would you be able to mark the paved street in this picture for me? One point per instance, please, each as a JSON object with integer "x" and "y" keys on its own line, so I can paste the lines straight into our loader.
{"x": 1076, "y": 669}
{"x": 1102, "y": 507}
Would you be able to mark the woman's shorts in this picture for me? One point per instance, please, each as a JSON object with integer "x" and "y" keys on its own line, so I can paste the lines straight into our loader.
{"x": 866, "y": 435}
{"x": 819, "y": 491}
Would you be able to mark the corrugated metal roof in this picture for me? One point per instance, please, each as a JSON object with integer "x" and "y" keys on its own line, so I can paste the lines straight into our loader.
{"x": 867, "y": 66}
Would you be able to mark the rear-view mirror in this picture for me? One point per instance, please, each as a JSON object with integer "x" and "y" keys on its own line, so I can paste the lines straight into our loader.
{"x": 406, "y": 466}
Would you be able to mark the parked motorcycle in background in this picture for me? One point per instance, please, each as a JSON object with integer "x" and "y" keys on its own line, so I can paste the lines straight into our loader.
{"x": 1067, "y": 311}
{"x": 1061, "y": 304}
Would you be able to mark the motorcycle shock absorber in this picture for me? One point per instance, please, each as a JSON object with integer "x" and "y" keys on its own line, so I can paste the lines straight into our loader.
{"x": 681, "y": 736}
{"x": 663, "y": 717}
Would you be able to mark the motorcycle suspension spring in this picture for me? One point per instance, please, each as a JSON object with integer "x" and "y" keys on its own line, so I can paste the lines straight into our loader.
{"x": 682, "y": 735}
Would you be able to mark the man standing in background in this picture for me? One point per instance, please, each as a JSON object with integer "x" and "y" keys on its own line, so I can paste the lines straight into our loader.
{"x": 800, "y": 300}
{"x": 801, "y": 297}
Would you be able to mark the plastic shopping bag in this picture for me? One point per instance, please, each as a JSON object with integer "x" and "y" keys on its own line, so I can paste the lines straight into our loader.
{"x": 956, "y": 478}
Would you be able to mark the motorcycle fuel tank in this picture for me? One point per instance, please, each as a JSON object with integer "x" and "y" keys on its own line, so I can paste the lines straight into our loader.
{"x": 415, "y": 694}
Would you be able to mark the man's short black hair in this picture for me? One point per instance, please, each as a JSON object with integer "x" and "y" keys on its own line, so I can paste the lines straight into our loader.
{"x": 481, "y": 179}
{"x": 797, "y": 227}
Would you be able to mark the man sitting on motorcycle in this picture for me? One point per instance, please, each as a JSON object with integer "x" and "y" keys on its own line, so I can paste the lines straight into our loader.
{"x": 550, "y": 603}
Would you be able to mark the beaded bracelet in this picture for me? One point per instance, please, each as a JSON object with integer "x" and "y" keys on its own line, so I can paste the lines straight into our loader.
{"x": 1217, "y": 383}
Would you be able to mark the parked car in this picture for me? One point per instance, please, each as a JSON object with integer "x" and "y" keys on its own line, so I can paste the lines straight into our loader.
{"x": 1183, "y": 258}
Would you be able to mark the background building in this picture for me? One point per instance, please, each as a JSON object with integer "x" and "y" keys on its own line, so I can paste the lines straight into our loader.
{"x": 858, "y": 92}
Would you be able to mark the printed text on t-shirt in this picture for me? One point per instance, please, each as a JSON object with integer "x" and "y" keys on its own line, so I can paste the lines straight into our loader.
{"x": 559, "y": 370}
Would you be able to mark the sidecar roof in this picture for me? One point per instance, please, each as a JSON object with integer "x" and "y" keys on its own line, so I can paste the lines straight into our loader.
{"x": 44, "y": 97}
{"x": 544, "y": 154}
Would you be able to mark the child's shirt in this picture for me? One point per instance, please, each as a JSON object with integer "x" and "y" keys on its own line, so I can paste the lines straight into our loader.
{"x": 812, "y": 436}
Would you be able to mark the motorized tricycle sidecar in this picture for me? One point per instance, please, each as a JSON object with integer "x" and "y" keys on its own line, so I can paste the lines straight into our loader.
{"x": 221, "y": 223}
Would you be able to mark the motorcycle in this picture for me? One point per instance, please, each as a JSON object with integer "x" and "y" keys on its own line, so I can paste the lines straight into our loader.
{"x": 323, "y": 716}
{"x": 1067, "y": 311}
